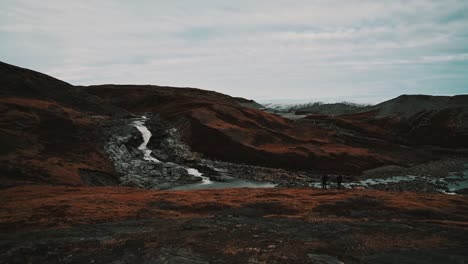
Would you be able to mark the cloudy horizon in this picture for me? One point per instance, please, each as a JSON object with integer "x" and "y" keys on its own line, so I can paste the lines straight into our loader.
{"x": 361, "y": 51}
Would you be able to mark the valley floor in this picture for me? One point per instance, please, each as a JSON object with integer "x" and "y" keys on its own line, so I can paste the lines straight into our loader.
{"x": 46, "y": 224}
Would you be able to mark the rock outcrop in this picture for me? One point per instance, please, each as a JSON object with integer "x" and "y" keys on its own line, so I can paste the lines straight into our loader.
{"x": 122, "y": 147}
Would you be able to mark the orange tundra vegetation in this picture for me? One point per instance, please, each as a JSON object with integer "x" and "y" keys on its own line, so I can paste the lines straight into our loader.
{"x": 49, "y": 206}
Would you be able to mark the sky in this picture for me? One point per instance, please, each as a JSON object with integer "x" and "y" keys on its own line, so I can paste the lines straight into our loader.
{"x": 363, "y": 51}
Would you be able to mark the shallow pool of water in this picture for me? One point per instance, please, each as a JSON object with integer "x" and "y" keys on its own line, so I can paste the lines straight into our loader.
{"x": 448, "y": 185}
{"x": 458, "y": 182}
{"x": 237, "y": 183}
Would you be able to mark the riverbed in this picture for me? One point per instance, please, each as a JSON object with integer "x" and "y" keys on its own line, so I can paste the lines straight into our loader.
{"x": 234, "y": 183}
{"x": 454, "y": 183}
{"x": 205, "y": 182}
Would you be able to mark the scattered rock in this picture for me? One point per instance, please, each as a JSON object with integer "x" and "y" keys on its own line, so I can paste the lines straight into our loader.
{"x": 323, "y": 259}
{"x": 122, "y": 147}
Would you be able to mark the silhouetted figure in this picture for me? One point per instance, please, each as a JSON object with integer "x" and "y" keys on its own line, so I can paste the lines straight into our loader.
{"x": 339, "y": 179}
{"x": 324, "y": 181}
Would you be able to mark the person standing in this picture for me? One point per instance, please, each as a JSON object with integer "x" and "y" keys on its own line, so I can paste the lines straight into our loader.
{"x": 324, "y": 181}
{"x": 339, "y": 179}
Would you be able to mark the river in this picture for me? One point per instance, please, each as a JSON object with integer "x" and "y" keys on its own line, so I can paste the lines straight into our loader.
{"x": 205, "y": 182}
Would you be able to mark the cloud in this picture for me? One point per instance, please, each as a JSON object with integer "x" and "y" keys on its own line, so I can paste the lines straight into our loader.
{"x": 258, "y": 49}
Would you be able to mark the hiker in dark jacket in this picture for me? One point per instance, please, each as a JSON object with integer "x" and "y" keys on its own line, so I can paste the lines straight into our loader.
{"x": 324, "y": 181}
{"x": 339, "y": 179}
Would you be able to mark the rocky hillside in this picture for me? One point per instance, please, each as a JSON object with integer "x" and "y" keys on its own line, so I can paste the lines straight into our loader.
{"x": 413, "y": 120}
{"x": 53, "y": 132}
{"x": 23, "y": 83}
{"x": 50, "y": 131}
{"x": 249, "y": 103}
{"x": 425, "y": 120}
{"x": 410, "y": 105}
{"x": 59, "y": 144}
{"x": 208, "y": 120}
{"x": 329, "y": 109}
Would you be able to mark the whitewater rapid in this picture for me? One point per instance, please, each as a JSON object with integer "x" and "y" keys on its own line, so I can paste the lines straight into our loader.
{"x": 146, "y": 134}
{"x": 195, "y": 172}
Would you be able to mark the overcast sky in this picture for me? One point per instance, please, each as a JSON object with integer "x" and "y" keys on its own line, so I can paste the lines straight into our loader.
{"x": 356, "y": 50}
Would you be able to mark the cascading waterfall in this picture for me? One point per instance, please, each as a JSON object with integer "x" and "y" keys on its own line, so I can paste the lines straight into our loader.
{"x": 146, "y": 134}
{"x": 205, "y": 182}
{"x": 195, "y": 172}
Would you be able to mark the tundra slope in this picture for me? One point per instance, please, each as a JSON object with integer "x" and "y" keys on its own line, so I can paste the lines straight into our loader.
{"x": 53, "y": 135}
{"x": 207, "y": 120}
{"x": 414, "y": 120}
{"x": 50, "y": 131}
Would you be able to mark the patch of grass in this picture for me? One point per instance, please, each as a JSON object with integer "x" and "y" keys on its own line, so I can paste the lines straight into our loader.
{"x": 357, "y": 207}
{"x": 164, "y": 205}
{"x": 260, "y": 209}
{"x": 202, "y": 207}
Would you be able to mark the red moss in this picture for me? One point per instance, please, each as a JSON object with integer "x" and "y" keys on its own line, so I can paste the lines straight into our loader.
{"x": 47, "y": 143}
{"x": 47, "y": 206}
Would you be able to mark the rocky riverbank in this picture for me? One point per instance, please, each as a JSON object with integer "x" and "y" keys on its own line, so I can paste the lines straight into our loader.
{"x": 448, "y": 175}
{"x": 129, "y": 161}
{"x": 167, "y": 166}
{"x": 443, "y": 176}
{"x": 167, "y": 162}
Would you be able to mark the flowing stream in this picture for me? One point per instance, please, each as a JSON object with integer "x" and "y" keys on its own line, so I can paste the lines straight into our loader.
{"x": 235, "y": 183}
{"x": 205, "y": 182}
{"x": 195, "y": 172}
{"x": 448, "y": 185}
{"x": 146, "y": 134}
